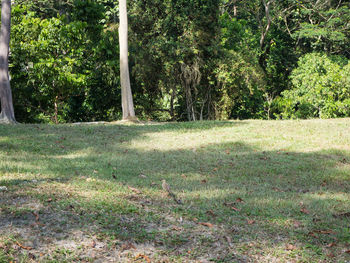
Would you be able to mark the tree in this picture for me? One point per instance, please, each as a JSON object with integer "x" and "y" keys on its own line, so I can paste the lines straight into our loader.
{"x": 127, "y": 100}
{"x": 7, "y": 112}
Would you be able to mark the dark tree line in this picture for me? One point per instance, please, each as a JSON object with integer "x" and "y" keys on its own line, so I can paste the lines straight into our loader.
{"x": 189, "y": 60}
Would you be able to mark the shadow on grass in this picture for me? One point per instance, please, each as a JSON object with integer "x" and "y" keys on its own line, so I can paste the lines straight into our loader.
{"x": 288, "y": 197}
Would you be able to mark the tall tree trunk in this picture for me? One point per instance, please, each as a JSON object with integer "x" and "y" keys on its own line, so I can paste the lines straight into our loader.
{"x": 7, "y": 112}
{"x": 127, "y": 101}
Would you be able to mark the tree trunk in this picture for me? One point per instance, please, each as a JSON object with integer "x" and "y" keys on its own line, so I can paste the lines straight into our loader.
{"x": 127, "y": 100}
{"x": 7, "y": 112}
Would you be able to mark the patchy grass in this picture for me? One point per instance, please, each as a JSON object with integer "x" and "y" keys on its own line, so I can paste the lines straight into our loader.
{"x": 266, "y": 191}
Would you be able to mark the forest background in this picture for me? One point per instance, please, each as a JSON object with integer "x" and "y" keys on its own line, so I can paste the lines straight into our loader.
{"x": 189, "y": 59}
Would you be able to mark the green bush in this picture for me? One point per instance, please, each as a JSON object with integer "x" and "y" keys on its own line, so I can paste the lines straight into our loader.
{"x": 320, "y": 88}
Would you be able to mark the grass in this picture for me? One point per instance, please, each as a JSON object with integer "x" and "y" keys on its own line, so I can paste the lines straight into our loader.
{"x": 266, "y": 191}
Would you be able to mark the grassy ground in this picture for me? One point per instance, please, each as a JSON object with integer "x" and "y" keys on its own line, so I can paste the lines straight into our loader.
{"x": 252, "y": 191}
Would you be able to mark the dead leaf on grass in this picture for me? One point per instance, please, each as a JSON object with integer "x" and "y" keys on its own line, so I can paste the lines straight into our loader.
{"x": 139, "y": 256}
{"x": 36, "y": 216}
{"x": 304, "y": 211}
{"x": 239, "y": 200}
{"x": 135, "y": 190}
{"x": 290, "y": 247}
{"x": 250, "y": 222}
{"x": 333, "y": 244}
{"x": 128, "y": 246}
{"x": 206, "y": 224}
{"x": 24, "y": 247}
{"x": 230, "y": 205}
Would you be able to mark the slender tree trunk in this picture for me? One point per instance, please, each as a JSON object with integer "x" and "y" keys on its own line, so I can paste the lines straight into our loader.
{"x": 7, "y": 112}
{"x": 172, "y": 113}
{"x": 127, "y": 101}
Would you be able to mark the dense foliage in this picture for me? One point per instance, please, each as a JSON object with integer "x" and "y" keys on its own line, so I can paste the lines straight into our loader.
{"x": 189, "y": 59}
{"x": 321, "y": 88}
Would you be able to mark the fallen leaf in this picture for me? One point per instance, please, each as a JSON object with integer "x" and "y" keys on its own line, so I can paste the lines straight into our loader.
{"x": 36, "y": 216}
{"x": 331, "y": 244}
{"x": 347, "y": 251}
{"x": 227, "y": 152}
{"x": 24, "y": 247}
{"x": 143, "y": 176}
{"x": 204, "y": 181}
{"x": 235, "y": 208}
{"x": 215, "y": 169}
{"x": 128, "y": 246}
{"x": 330, "y": 255}
{"x": 49, "y": 200}
{"x": 250, "y": 222}
{"x": 144, "y": 257}
{"x": 239, "y": 200}
{"x": 304, "y": 210}
{"x": 206, "y": 224}
{"x": 290, "y": 247}
{"x": 183, "y": 176}
{"x": 135, "y": 190}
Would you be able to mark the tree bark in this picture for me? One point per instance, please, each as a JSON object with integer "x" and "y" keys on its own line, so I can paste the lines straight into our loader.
{"x": 127, "y": 100}
{"x": 7, "y": 112}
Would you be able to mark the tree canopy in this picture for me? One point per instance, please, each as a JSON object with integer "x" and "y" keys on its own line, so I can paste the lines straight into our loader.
{"x": 189, "y": 60}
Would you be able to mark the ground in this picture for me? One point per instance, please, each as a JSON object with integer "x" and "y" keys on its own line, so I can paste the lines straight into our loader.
{"x": 251, "y": 191}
